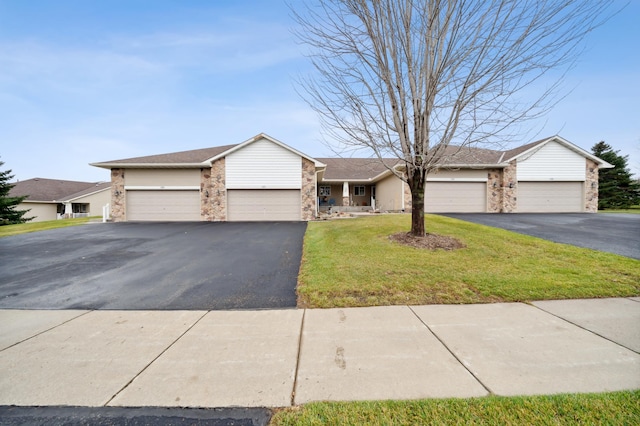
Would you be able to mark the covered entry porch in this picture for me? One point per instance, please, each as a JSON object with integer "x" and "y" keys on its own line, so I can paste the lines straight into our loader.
{"x": 347, "y": 196}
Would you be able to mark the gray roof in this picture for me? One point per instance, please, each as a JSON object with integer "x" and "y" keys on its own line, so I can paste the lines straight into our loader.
{"x": 519, "y": 150}
{"x": 195, "y": 156}
{"x": 100, "y": 186}
{"x": 356, "y": 168}
{"x": 369, "y": 168}
{"x": 51, "y": 190}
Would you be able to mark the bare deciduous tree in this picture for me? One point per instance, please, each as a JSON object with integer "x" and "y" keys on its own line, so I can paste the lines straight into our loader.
{"x": 410, "y": 78}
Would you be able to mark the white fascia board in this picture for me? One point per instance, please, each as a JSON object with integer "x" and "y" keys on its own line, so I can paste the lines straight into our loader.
{"x": 374, "y": 179}
{"x": 162, "y": 188}
{"x": 473, "y": 166}
{"x": 256, "y": 138}
{"x": 341, "y": 181}
{"x": 562, "y": 141}
{"x": 41, "y": 201}
{"x": 151, "y": 165}
{"x": 454, "y": 179}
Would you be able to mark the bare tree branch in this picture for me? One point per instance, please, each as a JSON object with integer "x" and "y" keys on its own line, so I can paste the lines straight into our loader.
{"x": 409, "y": 79}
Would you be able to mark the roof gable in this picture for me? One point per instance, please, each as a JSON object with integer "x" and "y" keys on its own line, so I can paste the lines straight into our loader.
{"x": 528, "y": 150}
{"x": 195, "y": 158}
{"x": 260, "y": 137}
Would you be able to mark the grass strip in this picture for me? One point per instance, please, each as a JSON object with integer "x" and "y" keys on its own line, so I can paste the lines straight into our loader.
{"x": 354, "y": 263}
{"x": 614, "y": 408}
{"x": 24, "y": 228}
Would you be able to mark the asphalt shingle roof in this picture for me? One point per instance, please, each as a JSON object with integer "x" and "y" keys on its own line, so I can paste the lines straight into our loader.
{"x": 182, "y": 157}
{"x": 39, "y": 189}
{"x": 340, "y": 168}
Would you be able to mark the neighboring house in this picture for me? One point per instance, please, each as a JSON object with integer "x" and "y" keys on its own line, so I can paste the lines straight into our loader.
{"x": 51, "y": 199}
{"x": 264, "y": 179}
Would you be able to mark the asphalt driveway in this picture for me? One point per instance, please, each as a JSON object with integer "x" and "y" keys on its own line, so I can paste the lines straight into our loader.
{"x": 153, "y": 266}
{"x": 610, "y": 232}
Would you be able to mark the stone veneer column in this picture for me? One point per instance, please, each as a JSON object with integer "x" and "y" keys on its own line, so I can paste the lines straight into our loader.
{"x": 591, "y": 188}
{"x": 510, "y": 188}
{"x": 206, "y": 191}
{"x": 218, "y": 193}
{"x": 308, "y": 192}
{"x": 494, "y": 191}
{"x": 118, "y": 207}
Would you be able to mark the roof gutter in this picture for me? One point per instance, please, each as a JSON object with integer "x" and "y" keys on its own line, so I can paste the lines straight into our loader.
{"x": 151, "y": 165}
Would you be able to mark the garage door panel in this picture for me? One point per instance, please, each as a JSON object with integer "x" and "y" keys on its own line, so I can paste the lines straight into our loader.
{"x": 455, "y": 197}
{"x": 163, "y": 205}
{"x": 263, "y": 204}
{"x": 550, "y": 197}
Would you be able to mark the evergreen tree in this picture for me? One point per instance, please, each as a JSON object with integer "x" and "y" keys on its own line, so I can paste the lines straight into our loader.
{"x": 617, "y": 188}
{"x": 8, "y": 213}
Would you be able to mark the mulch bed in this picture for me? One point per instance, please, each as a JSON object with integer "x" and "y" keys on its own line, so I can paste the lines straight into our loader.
{"x": 428, "y": 242}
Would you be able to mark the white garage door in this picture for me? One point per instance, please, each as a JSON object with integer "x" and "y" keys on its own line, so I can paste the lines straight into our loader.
{"x": 263, "y": 204}
{"x": 163, "y": 205}
{"x": 455, "y": 197}
{"x": 550, "y": 197}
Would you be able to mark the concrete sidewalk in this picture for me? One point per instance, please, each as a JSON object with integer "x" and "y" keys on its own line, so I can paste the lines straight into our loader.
{"x": 282, "y": 357}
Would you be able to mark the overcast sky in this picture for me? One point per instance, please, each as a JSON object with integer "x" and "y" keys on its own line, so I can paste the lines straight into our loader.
{"x": 89, "y": 81}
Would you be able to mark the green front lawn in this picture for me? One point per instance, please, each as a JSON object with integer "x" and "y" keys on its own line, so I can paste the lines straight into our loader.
{"x": 23, "y": 228}
{"x": 616, "y": 408}
{"x": 353, "y": 263}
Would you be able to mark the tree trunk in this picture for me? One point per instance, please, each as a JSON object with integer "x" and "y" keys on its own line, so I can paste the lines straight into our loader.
{"x": 416, "y": 183}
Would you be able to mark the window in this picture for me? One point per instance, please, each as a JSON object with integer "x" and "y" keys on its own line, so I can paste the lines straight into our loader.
{"x": 358, "y": 190}
{"x": 80, "y": 207}
{"x": 325, "y": 191}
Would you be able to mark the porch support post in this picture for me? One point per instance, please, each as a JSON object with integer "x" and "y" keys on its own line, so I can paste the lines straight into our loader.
{"x": 345, "y": 194}
{"x": 68, "y": 210}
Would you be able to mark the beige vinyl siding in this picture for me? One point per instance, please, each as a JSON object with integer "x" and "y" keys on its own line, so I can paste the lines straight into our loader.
{"x": 455, "y": 197}
{"x": 163, "y": 205}
{"x": 263, "y": 205}
{"x": 41, "y": 211}
{"x": 96, "y": 201}
{"x": 550, "y": 197}
{"x": 390, "y": 194}
{"x": 552, "y": 162}
{"x": 457, "y": 175}
{"x": 263, "y": 165}
{"x": 162, "y": 177}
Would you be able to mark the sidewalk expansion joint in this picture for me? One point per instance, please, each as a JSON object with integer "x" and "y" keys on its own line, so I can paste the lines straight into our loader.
{"x": 451, "y": 352}
{"x": 295, "y": 376}
{"x": 154, "y": 359}
{"x": 48, "y": 329}
{"x": 585, "y": 328}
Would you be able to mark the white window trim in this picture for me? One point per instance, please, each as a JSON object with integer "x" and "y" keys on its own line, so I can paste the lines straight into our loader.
{"x": 355, "y": 190}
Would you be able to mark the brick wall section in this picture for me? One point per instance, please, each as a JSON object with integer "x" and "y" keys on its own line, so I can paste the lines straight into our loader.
{"x": 494, "y": 191}
{"x": 118, "y": 207}
{"x": 218, "y": 193}
{"x": 206, "y": 190}
{"x": 308, "y": 191}
{"x": 510, "y": 195}
{"x": 591, "y": 188}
